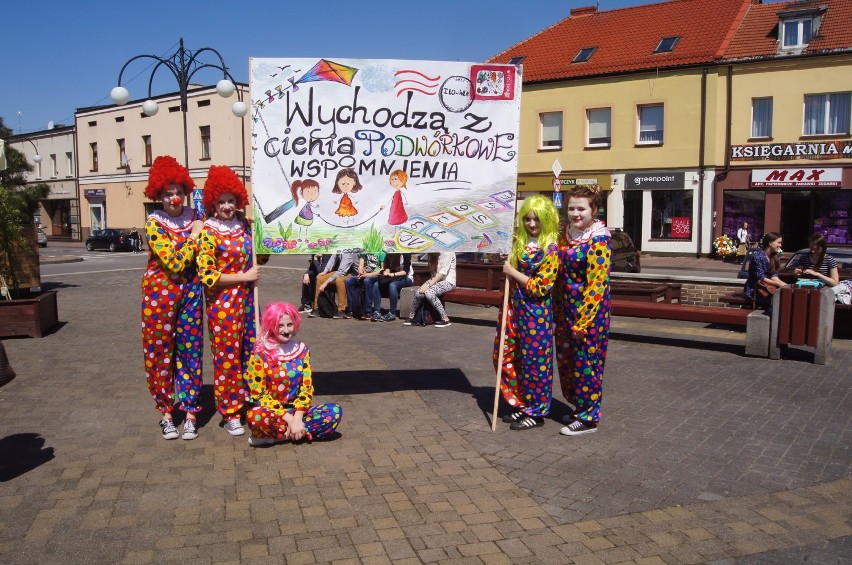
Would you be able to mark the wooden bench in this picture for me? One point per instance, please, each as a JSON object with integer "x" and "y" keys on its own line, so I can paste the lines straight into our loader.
{"x": 476, "y": 283}
{"x": 668, "y": 311}
{"x": 645, "y": 292}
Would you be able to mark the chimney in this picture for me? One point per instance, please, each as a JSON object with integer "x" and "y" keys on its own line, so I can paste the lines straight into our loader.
{"x": 584, "y": 11}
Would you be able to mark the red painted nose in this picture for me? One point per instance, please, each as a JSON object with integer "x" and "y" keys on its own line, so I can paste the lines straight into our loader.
{"x": 176, "y": 200}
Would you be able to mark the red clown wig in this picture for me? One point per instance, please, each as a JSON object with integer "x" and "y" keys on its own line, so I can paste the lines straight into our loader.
{"x": 221, "y": 179}
{"x": 165, "y": 171}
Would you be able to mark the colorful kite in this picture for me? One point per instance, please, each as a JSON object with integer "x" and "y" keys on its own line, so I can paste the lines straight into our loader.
{"x": 331, "y": 71}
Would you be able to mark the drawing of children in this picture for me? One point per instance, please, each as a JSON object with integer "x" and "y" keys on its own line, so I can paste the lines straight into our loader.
{"x": 309, "y": 189}
{"x": 346, "y": 182}
{"x": 398, "y": 180}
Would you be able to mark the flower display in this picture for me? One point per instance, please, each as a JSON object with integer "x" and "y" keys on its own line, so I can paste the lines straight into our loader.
{"x": 724, "y": 247}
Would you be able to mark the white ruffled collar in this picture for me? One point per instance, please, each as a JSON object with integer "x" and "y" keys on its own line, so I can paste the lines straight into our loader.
{"x": 290, "y": 350}
{"x": 175, "y": 223}
{"x": 231, "y": 227}
{"x": 596, "y": 228}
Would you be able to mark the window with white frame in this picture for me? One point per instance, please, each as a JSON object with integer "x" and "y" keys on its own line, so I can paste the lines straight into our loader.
{"x": 651, "y": 124}
{"x": 205, "y": 142}
{"x": 761, "y": 117}
{"x": 827, "y": 114}
{"x": 796, "y": 32}
{"x": 69, "y": 164}
{"x": 122, "y": 153}
{"x": 54, "y": 171}
{"x": 149, "y": 153}
{"x": 599, "y": 123}
{"x": 551, "y": 130}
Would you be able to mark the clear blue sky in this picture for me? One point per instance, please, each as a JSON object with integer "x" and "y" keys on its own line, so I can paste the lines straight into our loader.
{"x": 59, "y": 55}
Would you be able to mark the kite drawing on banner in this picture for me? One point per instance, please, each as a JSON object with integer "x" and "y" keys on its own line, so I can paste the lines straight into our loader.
{"x": 383, "y": 155}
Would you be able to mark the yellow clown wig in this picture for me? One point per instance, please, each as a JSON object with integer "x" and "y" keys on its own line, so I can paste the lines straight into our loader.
{"x": 547, "y": 216}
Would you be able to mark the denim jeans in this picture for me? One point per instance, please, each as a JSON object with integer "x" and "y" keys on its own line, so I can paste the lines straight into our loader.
{"x": 393, "y": 292}
{"x": 372, "y": 295}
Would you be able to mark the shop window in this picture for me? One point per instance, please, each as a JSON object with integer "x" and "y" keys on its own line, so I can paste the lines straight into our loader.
{"x": 205, "y": 142}
{"x": 651, "y": 124}
{"x": 551, "y": 130}
{"x": 599, "y": 123}
{"x": 739, "y": 206}
{"x": 666, "y": 207}
{"x": 761, "y": 117}
{"x": 827, "y": 114}
{"x": 831, "y": 216}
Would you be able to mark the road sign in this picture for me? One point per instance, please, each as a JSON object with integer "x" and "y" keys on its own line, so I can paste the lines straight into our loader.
{"x": 557, "y": 185}
{"x": 557, "y": 199}
{"x": 557, "y": 168}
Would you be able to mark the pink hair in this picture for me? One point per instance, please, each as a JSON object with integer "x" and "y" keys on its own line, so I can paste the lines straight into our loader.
{"x": 267, "y": 342}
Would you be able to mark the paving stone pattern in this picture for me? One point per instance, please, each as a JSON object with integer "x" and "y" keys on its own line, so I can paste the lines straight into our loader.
{"x": 703, "y": 455}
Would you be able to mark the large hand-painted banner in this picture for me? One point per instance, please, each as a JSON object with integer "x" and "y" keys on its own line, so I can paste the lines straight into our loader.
{"x": 383, "y": 155}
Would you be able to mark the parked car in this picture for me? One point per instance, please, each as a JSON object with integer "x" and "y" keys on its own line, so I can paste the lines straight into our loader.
{"x": 625, "y": 257}
{"x": 842, "y": 255}
{"x": 109, "y": 239}
{"x": 42, "y": 238}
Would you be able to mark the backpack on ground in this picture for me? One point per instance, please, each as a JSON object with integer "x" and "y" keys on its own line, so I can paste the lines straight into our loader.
{"x": 327, "y": 302}
{"x": 425, "y": 314}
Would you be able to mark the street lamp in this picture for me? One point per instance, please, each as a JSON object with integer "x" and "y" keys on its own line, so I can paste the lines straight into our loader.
{"x": 183, "y": 64}
{"x": 36, "y": 157}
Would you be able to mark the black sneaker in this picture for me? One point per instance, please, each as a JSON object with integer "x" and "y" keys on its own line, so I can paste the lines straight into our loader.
{"x": 169, "y": 429}
{"x": 513, "y": 417}
{"x": 526, "y": 423}
{"x": 305, "y": 308}
{"x": 314, "y": 313}
{"x": 443, "y": 324}
{"x": 578, "y": 427}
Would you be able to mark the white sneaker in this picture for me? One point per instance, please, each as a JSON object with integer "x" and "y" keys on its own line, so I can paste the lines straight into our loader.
{"x": 189, "y": 429}
{"x": 258, "y": 441}
{"x": 169, "y": 429}
{"x": 234, "y": 427}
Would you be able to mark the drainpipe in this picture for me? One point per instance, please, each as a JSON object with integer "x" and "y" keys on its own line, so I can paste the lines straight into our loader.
{"x": 729, "y": 88}
{"x": 701, "y": 145}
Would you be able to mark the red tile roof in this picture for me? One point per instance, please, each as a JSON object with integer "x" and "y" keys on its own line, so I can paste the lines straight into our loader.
{"x": 757, "y": 36}
{"x": 626, "y": 39}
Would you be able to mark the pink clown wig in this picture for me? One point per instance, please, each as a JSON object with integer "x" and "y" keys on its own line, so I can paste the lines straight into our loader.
{"x": 268, "y": 342}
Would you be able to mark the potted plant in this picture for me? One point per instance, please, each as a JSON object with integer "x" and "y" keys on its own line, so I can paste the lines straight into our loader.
{"x": 725, "y": 248}
{"x": 24, "y": 308}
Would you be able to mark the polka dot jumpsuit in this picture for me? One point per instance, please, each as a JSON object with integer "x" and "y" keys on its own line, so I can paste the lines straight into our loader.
{"x": 284, "y": 386}
{"x": 172, "y": 337}
{"x": 583, "y": 303}
{"x": 226, "y": 247}
{"x": 526, "y": 381}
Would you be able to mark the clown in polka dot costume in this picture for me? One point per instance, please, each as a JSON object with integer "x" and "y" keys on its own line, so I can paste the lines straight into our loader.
{"x": 583, "y": 309}
{"x": 526, "y": 380}
{"x": 281, "y": 384}
{"x": 228, "y": 276}
{"x": 172, "y": 337}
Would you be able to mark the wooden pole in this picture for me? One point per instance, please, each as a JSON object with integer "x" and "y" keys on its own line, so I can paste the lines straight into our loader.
{"x": 500, "y": 354}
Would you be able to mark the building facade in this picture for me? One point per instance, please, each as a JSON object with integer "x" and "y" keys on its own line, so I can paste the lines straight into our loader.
{"x": 788, "y": 166}
{"x": 59, "y": 213}
{"x": 659, "y": 105}
{"x": 116, "y": 146}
